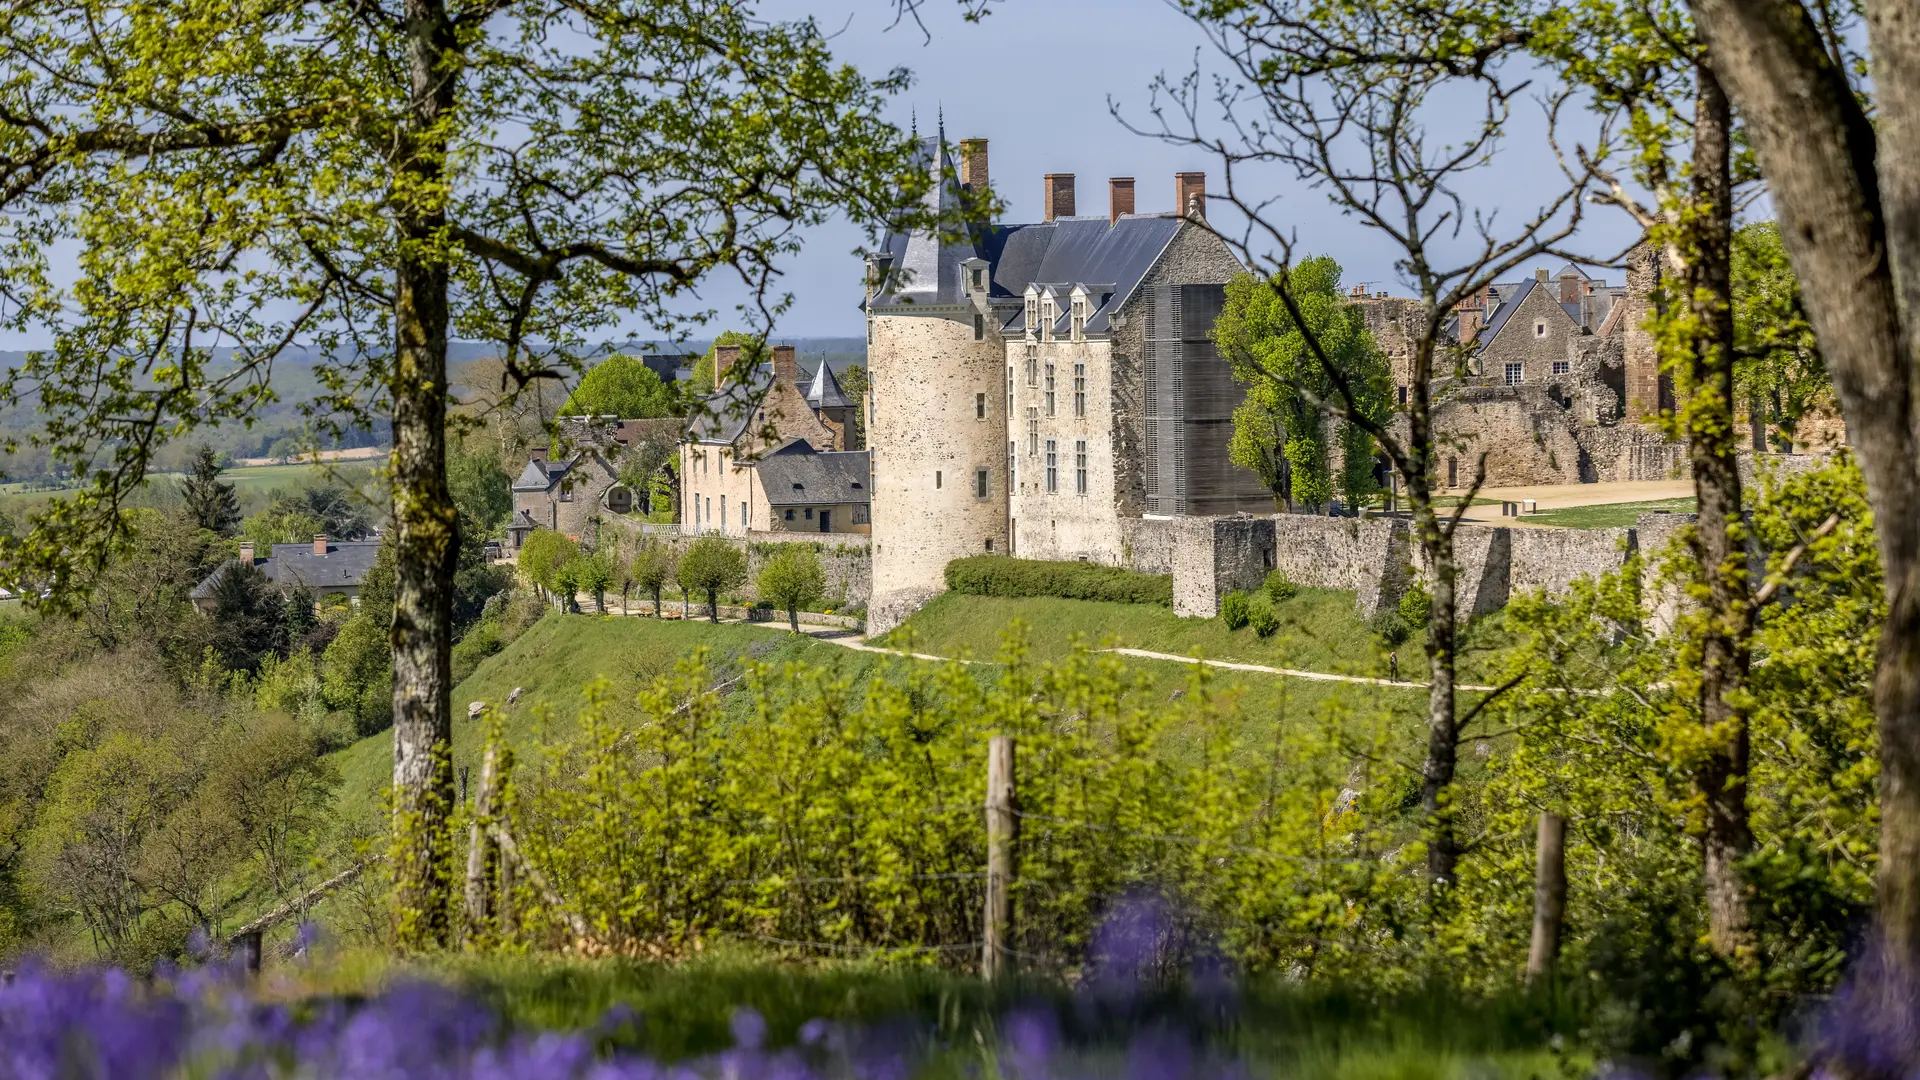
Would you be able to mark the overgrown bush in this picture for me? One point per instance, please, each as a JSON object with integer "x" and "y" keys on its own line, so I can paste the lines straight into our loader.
{"x": 1002, "y": 575}
{"x": 1265, "y": 622}
{"x": 1235, "y": 610}
{"x": 1390, "y": 627}
{"x": 1280, "y": 588}
{"x": 1416, "y": 606}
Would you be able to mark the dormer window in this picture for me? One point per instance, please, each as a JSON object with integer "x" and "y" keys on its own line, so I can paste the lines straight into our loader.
{"x": 979, "y": 279}
{"x": 1033, "y": 315}
{"x": 1079, "y": 319}
{"x": 1047, "y": 316}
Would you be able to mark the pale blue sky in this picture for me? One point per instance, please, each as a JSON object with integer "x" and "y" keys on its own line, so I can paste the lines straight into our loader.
{"x": 1035, "y": 78}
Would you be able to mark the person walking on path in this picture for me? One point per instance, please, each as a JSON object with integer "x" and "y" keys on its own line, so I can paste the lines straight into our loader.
{"x": 1393, "y": 666}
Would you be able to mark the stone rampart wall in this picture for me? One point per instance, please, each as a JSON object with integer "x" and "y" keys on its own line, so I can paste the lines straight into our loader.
{"x": 846, "y": 557}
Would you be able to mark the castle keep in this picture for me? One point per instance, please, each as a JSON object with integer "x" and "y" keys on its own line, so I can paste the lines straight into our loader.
{"x": 1044, "y": 389}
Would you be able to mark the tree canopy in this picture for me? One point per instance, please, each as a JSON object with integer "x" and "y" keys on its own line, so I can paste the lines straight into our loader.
{"x": 210, "y": 501}
{"x": 620, "y": 386}
{"x": 1283, "y": 430}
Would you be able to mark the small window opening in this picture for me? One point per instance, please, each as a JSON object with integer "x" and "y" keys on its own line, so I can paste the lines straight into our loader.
{"x": 979, "y": 406}
{"x": 936, "y": 480}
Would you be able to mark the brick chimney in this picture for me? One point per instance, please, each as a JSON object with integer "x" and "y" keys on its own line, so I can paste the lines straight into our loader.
{"x": 973, "y": 165}
{"x": 785, "y": 370}
{"x": 246, "y": 552}
{"x": 724, "y": 357}
{"x": 1119, "y": 198}
{"x": 1569, "y": 287}
{"x": 1358, "y": 292}
{"x": 1190, "y": 194}
{"x": 319, "y": 543}
{"x": 538, "y": 453}
{"x": 1059, "y": 195}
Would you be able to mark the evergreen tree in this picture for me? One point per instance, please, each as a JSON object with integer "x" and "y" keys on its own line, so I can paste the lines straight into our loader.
{"x": 210, "y": 502}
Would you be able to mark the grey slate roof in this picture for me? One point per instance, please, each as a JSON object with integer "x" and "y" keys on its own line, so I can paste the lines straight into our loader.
{"x": 797, "y": 475}
{"x": 725, "y": 416}
{"x": 824, "y": 392}
{"x": 292, "y": 565}
{"x": 1509, "y": 303}
{"x": 539, "y": 475}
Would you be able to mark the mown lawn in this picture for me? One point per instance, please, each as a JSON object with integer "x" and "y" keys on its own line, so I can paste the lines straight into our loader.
{"x": 1609, "y": 515}
{"x": 1319, "y": 631}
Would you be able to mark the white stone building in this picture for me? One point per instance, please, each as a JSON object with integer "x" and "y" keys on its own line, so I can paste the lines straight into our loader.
{"x": 1042, "y": 390}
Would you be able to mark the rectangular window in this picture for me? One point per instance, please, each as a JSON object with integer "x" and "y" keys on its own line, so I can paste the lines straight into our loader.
{"x": 860, "y": 514}
{"x": 1009, "y": 391}
{"x": 1515, "y": 372}
{"x": 566, "y": 494}
{"x": 1079, "y": 389}
{"x": 1012, "y": 476}
{"x": 809, "y": 513}
{"x": 1033, "y": 316}
{"x": 1053, "y": 470}
{"x": 979, "y": 483}
{"x": 1080, "y": 466}
{"x": 936, "y": 483}
{"x": 979, "y": 406}
{"x": 1033, "y": 365}
{"x": 979, "y": 327}
{"x": 743, "y": 517}
{"x": 979, "y": 278}
{"x": 1049, "y": 388}
{"x": 1033, "y": 430}
{"x": 789, "y": 514}
{"x": 1561, "y": 367}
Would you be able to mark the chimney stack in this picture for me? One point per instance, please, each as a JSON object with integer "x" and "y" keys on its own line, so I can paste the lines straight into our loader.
{"x": 973, "y": 165}
{"x": 1119, "y": 198}
{"x": 784, "y": 368}
{"x": 1359, "y": 292}
{"x": 1540, "y": 275}
{"x": 724, "y": 357}
{"x": 1190, "y": 194}
{"x": 319, "y": 543}
{"x": 1569, "y": 288}
{"x": 246, "y": 552}
{"x": 1059, "y": 195}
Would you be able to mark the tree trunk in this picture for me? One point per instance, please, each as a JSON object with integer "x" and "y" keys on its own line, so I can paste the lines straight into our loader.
{"x": 423, "y": 514}
{"x": 793, "y": 618}
{"x": 657, "y": 613}
{"x": 1712, "y": 445}
{"x": 1824, "y": 171}
{"x": 1443, "y": 734}
{"x": 713, "y": 605}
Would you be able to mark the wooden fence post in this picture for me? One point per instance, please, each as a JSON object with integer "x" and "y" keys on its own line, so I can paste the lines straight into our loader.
{"x": 997, "y": 927}
{"x": 480, "y": 853}
{"x": 1549, "y": 896}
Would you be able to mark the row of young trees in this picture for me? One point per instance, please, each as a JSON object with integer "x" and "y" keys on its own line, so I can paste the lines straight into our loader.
{"x": 792, "y": 579}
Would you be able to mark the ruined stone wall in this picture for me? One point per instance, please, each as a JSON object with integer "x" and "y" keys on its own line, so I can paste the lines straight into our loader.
{"x": 1147, "y": 544}
{"x": 1214, "y": 556}
{"x": 1369, "y": 556}
{"x": 1553, "y": 559}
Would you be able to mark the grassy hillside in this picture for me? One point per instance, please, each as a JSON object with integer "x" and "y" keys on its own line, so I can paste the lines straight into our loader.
{"x": 1319, "y": 631}
{"x": 556, "y": 659}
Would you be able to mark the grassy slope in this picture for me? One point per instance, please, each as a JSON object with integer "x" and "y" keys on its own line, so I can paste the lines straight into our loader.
{"x": 1319, "y": 631}
{"x": 556, "y": 659}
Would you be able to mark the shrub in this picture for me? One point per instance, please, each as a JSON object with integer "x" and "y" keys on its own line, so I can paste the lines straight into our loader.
{"x": 1416, "y": 605}
{"x": 1265, "y": 622}
{"x": 1389, "y": 626}
{"x": 1280, "y": 588}
{"x": 653, "y": 566}
{"x": 1236, "y": 610}
{"x": 1002, "y": 575}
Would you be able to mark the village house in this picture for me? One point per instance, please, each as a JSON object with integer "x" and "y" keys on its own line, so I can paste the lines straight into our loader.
{"x": 324, "y": 568}
{"x": 760, "y": 413}
{"x": 569, "y": 491}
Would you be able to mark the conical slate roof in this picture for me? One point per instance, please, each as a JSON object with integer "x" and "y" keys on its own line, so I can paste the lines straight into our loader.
{"x": 825, "y": 392}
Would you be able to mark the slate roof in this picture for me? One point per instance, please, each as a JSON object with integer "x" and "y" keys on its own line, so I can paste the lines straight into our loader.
{"x": 824, "y": 392}
{"x": 540, "y": 475}
{"x": 292, "y": 565}
{"x": 725, "y": 416}
{"x": 671, "y": 367}
{"x": 1509, "y": 304}
{"x": 798, "y": 475}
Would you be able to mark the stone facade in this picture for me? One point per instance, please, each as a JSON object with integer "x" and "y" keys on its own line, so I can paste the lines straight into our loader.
{"x": 1216, "y": 556}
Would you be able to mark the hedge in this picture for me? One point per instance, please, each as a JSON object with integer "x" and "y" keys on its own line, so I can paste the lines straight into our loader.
{"x": 1002, "y": 575}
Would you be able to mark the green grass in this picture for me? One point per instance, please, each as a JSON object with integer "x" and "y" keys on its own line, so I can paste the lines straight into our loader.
{"x": 1319, "y": 631}
{"x": 253, "y": 483}
{"x": 1609, "y": 515}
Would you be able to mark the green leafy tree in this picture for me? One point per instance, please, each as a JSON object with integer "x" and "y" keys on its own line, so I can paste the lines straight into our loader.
{"x": 249, "y": 616}
{"x": 390, "y": 177}
{"x": 854, "y": 381}
{"x": 793, "y": 579}
{"x": 338, "y": 511}
{"x": 1282, "y": 431}
{"x": 597, "y": 573}
{"x": 620, "y": 386}
{"x": 210, "y": 502}
{"x": 568, "y": 579}
{"x": 281, "y": 525}
{"x": 1778, "y": 371}
{"x": 712, "y": 566}
{"x": 653, "y": 566}
{"x": 481, "y": 489}
{"x": 544, "y": 552}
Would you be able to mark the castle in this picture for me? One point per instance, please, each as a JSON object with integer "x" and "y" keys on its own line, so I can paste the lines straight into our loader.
{"x": 1047, "y": 389}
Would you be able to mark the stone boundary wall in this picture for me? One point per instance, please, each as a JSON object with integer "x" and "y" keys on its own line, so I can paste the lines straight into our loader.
{"x": 847, "y": 558}
{"x": 1376, "y": 559}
